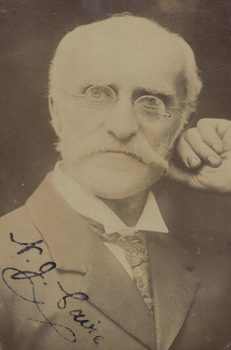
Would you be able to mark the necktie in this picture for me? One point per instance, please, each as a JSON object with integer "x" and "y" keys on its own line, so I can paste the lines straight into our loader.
{"x": 135, "y": 249}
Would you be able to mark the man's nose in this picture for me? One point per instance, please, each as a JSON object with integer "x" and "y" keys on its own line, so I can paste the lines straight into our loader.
{"x": 121, "y": 121}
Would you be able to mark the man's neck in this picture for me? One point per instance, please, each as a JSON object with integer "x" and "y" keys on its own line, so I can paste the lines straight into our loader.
{"x": 128, "y": 209}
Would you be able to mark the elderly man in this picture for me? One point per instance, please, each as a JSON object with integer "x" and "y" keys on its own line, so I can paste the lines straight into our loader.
{"x": 89, "y": 262}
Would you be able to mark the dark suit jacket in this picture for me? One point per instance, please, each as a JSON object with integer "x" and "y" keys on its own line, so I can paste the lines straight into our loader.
{"x": 61, "y": 288}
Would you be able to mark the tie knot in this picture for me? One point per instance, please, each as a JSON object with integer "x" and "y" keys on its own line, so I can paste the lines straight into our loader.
{"x": 134, "y": 246}
{"x": 131, "y": 241}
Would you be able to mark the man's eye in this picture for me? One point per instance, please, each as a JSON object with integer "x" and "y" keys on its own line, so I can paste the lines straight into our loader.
{"x": 151, "y": 101}
{"x": 95, "y": 93}
{"x": 99, "y": 93}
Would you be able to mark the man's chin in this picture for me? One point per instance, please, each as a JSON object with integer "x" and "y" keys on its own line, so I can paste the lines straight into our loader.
{"x": 117, "y": 184}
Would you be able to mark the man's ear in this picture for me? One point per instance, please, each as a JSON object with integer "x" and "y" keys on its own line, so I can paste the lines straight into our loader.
{"x": 55, "y": 115}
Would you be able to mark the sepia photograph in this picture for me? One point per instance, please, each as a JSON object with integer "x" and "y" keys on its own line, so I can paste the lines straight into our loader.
{"x": 115, "y": 183}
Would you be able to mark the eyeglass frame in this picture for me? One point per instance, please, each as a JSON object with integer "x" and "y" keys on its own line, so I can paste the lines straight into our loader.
{"x": 115, "y": 100}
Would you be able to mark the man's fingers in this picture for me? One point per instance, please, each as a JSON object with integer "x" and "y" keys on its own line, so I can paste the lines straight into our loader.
{"x": 208, "y": 131}
{"x": 205, "y": 152}
{"x": 187, "y": 154}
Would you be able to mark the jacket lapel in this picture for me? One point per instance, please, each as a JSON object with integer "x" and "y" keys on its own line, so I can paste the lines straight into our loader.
{"x": 174, "y": 287}
{"x": 113, "y": 292}
{"x": 80, "y": 250}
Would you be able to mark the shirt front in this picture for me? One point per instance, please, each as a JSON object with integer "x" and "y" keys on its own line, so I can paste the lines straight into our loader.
{"x": 86, "y": 204}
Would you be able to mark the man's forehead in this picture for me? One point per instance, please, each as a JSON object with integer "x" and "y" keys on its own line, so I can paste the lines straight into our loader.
{"x": 117, "y": 48}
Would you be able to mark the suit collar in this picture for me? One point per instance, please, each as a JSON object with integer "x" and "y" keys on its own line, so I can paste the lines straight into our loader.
{"x": 68, "y": 237}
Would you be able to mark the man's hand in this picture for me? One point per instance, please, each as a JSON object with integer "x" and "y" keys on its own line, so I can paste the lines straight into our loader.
{"x": 205, "y": 153}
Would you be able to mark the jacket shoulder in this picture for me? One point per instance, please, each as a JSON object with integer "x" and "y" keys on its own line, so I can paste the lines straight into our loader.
{"x": 17, "y": 219}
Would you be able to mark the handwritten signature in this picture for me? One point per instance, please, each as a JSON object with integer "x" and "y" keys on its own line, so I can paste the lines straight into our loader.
{"x": 13, "y": 274}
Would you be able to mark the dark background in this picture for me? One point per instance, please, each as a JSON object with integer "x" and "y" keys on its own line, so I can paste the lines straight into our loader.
{"x": 29, "y": 33}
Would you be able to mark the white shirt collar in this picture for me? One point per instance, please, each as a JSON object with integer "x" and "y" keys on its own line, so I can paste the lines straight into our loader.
{"x": 89, "y": 205}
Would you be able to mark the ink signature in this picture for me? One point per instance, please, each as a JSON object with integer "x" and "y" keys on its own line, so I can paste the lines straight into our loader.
{"x": 28, "y": 246}
{"x": 10, "y": 274}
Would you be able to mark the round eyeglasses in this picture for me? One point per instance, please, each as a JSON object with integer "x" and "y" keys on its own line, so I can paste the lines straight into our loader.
{"x": 100, "y": 97}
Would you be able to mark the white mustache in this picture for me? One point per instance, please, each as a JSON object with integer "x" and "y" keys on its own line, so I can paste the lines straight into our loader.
{"x": 138, "y": 148}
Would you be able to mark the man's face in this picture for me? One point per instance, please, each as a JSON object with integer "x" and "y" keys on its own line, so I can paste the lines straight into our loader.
{"x": 110, "y": 144}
